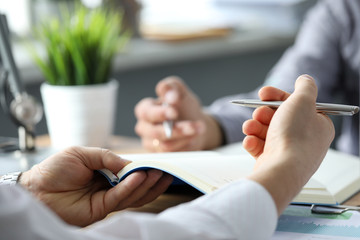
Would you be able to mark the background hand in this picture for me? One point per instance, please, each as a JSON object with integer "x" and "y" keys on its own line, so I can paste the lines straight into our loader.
{"x": 67, "y": 183}
{"x": 190, "y": 126}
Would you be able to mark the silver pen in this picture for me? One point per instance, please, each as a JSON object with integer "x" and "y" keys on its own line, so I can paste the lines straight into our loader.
{"x": 168, "y": 125}
{"x": 326, "y": 108}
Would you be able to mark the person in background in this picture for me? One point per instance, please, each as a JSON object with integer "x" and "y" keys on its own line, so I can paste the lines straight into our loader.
{"x": 288, "y": 144}
{"x": 327, "y": 47}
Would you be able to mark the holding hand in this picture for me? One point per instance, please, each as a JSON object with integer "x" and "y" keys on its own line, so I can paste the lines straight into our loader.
{"x": 68, "y": 179}
{"x": 289, "y": 143}
{"x": 192, "y": 129}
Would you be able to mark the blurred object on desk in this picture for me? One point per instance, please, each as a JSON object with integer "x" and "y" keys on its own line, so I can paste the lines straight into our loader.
{"x": 184, "y": 20}
{"x": 8, "y": 144}
{"x": 117, "y": 144}
{"x": 182, "y": 32}
{"x": 131, "y": 9}
{"x": 289, "y": 13}
{"x": 278, "y": 3}
{"x": 23, "y": 110}
{"x": 19, "y": 16}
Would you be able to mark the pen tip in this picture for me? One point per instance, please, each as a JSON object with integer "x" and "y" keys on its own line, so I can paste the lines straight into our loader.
{"x": 356, "y": 110}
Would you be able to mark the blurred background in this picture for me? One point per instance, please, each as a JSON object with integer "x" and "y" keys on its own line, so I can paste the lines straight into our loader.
{"x": 219, "y": 47}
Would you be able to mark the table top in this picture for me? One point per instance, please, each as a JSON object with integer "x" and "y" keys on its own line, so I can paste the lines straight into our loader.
{"x": 117, "y": 144}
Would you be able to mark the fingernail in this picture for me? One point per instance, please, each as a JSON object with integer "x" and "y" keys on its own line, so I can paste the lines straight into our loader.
{"x": 307, "y": 76}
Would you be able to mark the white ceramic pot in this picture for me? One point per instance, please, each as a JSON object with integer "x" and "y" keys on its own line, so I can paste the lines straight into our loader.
{"x": 80, "y": 115}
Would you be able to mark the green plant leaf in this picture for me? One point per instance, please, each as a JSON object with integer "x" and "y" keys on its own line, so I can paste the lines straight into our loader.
{"x": 80, "y": 46}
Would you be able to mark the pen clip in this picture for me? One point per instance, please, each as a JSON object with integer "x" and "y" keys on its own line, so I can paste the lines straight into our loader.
{"x": 332, "y": 209}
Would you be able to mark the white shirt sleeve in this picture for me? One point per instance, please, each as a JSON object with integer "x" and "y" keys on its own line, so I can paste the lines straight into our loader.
{"x": 241, "y": 210}
{"x": 22, "y": 217}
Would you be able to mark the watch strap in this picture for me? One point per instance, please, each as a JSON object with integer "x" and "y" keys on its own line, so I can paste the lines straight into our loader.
{"x": 10, "y": 178}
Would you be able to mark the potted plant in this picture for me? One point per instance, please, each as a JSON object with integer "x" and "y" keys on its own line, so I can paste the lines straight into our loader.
{"x": 78, "y": 95}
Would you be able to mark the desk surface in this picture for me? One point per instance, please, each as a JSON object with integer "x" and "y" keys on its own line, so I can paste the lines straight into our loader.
{"x": 117, "y": 144}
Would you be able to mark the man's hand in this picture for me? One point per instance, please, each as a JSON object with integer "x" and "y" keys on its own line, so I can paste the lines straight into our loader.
{"x": 192, "y": 129}
{"x": 68, "y": 184}
{"x": 289, "y": 143}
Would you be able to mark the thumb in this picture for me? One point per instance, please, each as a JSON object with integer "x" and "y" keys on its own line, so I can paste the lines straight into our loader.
{"x": 99, "y": 158}
{"x": 305, "y": 94}
{"x": 306, "y": 88}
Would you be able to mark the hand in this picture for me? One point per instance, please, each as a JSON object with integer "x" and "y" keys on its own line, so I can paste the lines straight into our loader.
{"x": 67, "y": 183}
{"x": 289, "y": 143}
{"x": 192, "y": 129}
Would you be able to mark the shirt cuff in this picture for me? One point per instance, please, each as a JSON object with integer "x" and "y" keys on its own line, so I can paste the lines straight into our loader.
{"x": 242, "y": 209}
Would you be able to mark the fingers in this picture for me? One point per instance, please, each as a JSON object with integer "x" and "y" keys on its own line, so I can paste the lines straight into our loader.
{"x": 272, "y": 94}
{"x": 97, "y": 158}
{"x": 305, "y": 87}
{"x": 117, "y": 195}
{"x": 256, "y": 130}
{"x": 254, "y": 145}
{"x": 159, "y": 188}
{"x": 303, "y": 98}
{"x": 263, "y": 115}
{"x": 151, "y": 110}
{"x": 305, "y": 90}
{"x": 171, "y": 90}
{"x": 306, "y": 84}
{"x": 154, "y": 137}
{"x": 137, "y": 189}
{"x": 259, "y": 125}
{"x": 181, "y": 129}
{"x": 182, "y": 107}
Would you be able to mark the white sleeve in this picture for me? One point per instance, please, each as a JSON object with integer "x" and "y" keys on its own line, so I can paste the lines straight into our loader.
{"x": 22, "y": 217}
{"x": 242, "y": 210}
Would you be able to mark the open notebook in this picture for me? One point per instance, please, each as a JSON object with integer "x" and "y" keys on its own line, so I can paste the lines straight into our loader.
{"x": 337, "y": 179}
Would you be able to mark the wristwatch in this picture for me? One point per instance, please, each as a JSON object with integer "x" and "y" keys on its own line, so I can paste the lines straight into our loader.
{"x": 10, "y": 178}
